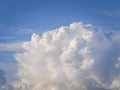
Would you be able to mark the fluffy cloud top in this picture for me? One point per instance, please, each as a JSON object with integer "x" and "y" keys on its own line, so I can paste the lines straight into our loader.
{"x": 75, "y": 57}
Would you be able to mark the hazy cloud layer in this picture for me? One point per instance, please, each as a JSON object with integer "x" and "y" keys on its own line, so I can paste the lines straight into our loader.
{"x": 75, "y": 57}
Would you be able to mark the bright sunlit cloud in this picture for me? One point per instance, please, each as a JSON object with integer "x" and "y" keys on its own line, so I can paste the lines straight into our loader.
{"x": 75, "y": 57}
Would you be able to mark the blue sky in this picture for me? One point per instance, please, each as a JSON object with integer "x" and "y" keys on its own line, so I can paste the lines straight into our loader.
{"x": 43, "y": 15}
{"x": 20, "y": 18}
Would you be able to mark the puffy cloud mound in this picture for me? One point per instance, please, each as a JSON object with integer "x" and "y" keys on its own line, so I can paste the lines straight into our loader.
{"x": 75, "y": 57}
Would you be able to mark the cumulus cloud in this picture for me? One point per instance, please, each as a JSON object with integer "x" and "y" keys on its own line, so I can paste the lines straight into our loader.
{"x": 75, "y": 57}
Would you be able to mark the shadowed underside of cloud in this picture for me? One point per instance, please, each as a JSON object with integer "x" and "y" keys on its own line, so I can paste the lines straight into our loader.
{"x": 75, "y": 57}
{"x": 3, "y": 82}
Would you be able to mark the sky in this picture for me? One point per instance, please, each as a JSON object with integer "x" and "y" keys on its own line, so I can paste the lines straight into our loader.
{"x": 20, "y": 18}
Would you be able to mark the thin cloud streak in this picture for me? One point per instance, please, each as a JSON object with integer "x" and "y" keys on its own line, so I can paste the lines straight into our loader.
{"x": 7, "y": 37}
{"x": 25, "y": 30}
{"x": 16, "y": 46}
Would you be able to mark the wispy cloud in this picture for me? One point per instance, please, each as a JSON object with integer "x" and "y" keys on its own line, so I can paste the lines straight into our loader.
{"x": 7, "y": 37}
{"x": 25, "y": 30}
{"x": 11, "y": 46}
{"x": 115, "y": 13}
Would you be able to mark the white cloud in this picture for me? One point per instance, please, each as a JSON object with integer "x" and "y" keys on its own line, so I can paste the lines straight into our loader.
{"x": 116, "y": 83}
{"x": 75, "y": 57}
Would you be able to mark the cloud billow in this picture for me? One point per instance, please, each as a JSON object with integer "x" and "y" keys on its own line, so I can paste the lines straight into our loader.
{"x": 75, "y": 57}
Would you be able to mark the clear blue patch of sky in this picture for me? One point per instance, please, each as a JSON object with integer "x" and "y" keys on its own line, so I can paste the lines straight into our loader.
{"x": 48, "y": 14}
{"x": 43, "y": 15}
{"x": 7, "y": 57}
